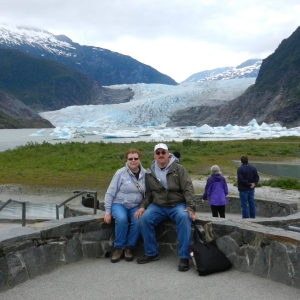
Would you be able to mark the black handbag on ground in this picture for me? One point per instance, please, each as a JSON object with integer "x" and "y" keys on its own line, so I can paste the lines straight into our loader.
{"x": 206, "y": 256}
{"x": 88, "y": 201}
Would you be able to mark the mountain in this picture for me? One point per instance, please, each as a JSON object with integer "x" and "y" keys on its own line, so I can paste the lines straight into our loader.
{"x": 44, "y": 85}
{"x": 30, "y": 85}
{"x": 249, "y": 68}
{"x": 200, "y": 76}
{"x": 275, "y": 96}
{"x": 14, "y": 114}
{"x": 104, "y": 66}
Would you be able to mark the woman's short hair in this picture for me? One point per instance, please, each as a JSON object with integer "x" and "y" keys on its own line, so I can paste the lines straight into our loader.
{"x": 131, "y": 151}
{"x": 215, "y": 170}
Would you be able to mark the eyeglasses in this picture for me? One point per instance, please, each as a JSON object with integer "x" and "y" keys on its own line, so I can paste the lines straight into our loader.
{"x": 160, "y": 152}
{"x": 133, "y": 158}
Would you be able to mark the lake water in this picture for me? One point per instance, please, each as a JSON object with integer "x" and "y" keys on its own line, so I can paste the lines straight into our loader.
{"x": 11, "y": 138}
{"x": 278, "y": 169}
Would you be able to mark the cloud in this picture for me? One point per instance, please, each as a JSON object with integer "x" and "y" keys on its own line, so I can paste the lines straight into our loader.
{"x": 177, "y": 37}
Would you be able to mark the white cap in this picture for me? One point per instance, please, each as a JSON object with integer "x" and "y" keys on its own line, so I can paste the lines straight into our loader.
{"x": 161, "y": 146}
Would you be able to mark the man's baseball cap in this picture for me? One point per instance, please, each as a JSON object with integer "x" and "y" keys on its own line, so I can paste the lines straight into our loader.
{"x": 161, "y": 146}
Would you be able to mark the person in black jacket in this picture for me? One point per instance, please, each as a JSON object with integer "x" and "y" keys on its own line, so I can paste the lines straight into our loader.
{"x": 247, "y": 179}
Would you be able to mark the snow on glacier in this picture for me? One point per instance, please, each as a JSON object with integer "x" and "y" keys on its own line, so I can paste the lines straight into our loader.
{"x": 152, "y": 104}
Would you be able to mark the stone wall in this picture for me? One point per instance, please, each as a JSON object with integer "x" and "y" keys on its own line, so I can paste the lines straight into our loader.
{"x": 264, "y": 208}
{"x": 27, "y": 252}
{"x": 254, "y": 246}
{"x": 268, "y": 252}
{"x": 37, "y": 249}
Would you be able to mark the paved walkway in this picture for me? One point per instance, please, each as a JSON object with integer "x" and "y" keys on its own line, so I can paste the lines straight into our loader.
{"x": 100, "y": 279}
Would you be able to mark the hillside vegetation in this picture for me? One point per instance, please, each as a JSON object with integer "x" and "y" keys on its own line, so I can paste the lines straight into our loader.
{"x": 45, "y": 85}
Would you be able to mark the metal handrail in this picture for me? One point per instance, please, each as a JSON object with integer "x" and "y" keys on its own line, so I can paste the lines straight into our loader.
{"x": 294, "y": 228}
{"x": 78, "y": 193}
{"x": 23, "y": 209}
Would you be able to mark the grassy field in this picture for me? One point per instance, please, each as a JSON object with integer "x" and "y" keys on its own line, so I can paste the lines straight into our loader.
{"x": 91, "y": 165}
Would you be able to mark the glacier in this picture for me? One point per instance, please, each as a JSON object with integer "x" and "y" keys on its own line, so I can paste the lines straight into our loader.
{"x": 152, "y": 104}
{"x": 146, "y": 115}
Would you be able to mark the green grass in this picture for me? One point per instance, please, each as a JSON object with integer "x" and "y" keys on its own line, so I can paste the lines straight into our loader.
{"x": 92, "y": 165}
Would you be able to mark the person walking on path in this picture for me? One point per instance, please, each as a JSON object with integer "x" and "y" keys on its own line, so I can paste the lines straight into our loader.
{"x": 122, "y": 199}
{"x": 247, "y": 179}
{"x": 169, "y": 194}
{"x": 216, "y": 191}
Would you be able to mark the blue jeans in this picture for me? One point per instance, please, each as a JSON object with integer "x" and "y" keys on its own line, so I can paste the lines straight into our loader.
{"x": 154, "y": 215}
{"x": 127, "y": 227}
{"x": 247, "y": 204}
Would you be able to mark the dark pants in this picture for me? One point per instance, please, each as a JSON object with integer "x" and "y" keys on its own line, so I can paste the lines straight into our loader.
{"x": 218, "y": 210}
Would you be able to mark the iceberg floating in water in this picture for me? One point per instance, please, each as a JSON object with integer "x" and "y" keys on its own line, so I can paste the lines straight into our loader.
{"x": 159, "y": 133}
{"x": 38, "y": 133}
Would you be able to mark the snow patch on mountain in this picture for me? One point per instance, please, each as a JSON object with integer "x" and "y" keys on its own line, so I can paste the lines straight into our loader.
{"x": 249, "y": 68}
{"x": 235, "y": 73}
{"x": 16, "y": 35}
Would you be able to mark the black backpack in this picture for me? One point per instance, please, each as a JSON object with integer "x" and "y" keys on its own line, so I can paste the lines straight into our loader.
{"x": 88, "y": 201}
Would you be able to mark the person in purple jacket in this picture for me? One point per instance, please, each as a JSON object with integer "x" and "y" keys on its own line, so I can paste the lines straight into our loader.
{"x": 215, "y": 192}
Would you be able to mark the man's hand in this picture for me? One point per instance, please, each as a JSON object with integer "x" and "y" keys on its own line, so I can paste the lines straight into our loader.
{"x": 191, "y": 214}
{"x": 139, "y": 212}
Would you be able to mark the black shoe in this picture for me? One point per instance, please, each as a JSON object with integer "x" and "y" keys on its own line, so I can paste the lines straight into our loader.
{"x": 184, "y": 264}
{"x": 145, "y": 259}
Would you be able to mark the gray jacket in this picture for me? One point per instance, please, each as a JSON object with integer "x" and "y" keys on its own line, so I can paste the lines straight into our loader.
{"x": 123, "y": 189}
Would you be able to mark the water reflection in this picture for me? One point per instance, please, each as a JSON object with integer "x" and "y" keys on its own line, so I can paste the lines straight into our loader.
{"x": 278, "y": 169}
{"x": 33, "y": 211}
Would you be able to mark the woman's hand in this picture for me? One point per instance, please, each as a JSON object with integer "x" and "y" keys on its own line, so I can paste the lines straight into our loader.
{"x": 107, "y": 218}
{"x": 139, "y": 212}
{"x": 202, "y": 200}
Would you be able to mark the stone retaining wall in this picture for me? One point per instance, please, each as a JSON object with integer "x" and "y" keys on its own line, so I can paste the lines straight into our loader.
{"x": 251, "y": 246}
{"x": 27, "y": 252}
{"x": 268, "y": 252}
{"x": 264, "y": 208}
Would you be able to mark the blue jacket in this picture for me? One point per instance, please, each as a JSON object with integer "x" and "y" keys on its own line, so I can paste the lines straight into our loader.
{"x": 246, "y": 174}
{"x": 216, "y": 190}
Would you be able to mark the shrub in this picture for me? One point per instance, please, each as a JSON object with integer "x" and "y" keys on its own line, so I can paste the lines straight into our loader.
{"x": 286, "y": 183}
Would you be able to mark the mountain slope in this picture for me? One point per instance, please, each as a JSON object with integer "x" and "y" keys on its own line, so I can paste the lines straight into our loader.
{"x": 14, "y": 114}
{"x": 45, "y": 85}
{"x": 104, "y": 66}
{"x": 275, "y": 96}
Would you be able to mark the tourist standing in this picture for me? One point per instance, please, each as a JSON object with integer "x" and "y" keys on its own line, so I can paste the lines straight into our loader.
{"x": 169, "y": 194}
{"x": 216, "y": 191}
{"x": 122, "y": 199}
{"x": 247, "y": 179}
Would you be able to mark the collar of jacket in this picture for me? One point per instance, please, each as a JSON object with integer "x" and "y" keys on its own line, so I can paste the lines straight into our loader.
{"x": 174, "y": 166}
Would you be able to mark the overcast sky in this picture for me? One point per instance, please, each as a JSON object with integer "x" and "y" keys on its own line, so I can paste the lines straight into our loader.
{"x": 176, "y": 37}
